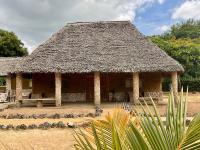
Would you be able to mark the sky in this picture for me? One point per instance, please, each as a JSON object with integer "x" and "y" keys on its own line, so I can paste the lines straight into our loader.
{"x": 34, "y": 21}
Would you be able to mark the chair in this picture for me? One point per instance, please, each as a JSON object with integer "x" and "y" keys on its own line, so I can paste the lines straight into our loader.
{"x": 3, "y": 97}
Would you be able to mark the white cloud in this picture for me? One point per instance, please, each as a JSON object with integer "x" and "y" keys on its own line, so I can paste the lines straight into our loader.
{"x": 162, "y": 29}
{"x": 29, "y": 47}
{"x": 127, "y": 11}
{"x": 161, "y": 1}
{"x": 187, "y": 10}
{"x": 35, "y": 20}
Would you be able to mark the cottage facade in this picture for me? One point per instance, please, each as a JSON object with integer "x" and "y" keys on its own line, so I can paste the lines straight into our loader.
{"x": 96, "y": 62}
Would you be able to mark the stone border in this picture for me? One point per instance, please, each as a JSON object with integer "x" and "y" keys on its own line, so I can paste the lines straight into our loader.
{"x": 45, "y": 126}
{"x": 42, "y": 116}
{"x": 98, "y": 111}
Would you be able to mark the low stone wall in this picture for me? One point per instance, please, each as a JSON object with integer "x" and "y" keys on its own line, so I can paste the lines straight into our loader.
{"x": 120, "y": 96}
{"x": 73, "y": 97}
{"x": 42, "y": 116}
{"x": 60, "y": 124}
{"x": 45, "y": 126}
{"x": 48, "y": 125}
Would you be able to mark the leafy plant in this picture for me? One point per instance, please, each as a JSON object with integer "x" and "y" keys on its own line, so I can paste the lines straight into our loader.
{"x": 182, "y": 42}
{"x": 11, "y": 45}
{"x": 2, "y": 81}
{"x": 143, "y": 131}
{"x": 185, "y": 51}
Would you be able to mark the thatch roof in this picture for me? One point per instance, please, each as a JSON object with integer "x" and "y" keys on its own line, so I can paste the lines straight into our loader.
{"x": 109, "y": 46}
{"x": 7, "y": 64}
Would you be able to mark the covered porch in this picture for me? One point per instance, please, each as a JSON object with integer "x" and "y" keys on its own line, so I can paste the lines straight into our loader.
{"x": 92, "y": 87}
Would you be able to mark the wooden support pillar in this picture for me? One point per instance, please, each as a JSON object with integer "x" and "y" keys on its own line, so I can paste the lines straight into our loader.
{"x": 97, "y": 91}
{"x": 174, "y": 78}
{"x": 8, "y": 83}
{"x": 58, "y": 86}
{"x": 18, "y": 88}
{"x": 135, "y": 88}
{"x": 161, "y": 92}
{"x": 8, "y": 86}
{"x": 161, "y": 81}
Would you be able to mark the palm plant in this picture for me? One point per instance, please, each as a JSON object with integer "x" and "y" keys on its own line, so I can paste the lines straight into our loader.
{"x": 143, "y": 131}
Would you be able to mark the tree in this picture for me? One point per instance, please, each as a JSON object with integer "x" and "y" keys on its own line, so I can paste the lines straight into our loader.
{"x": 182, "y": 42}
{"x": 187, "y": 29}
{"x": 185, "y": 50}
{"x": 11, "y": 45}
{"x": 143, "y": 131}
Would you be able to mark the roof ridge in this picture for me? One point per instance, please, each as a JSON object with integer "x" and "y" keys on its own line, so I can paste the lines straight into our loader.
{"x": 93, "y": 22}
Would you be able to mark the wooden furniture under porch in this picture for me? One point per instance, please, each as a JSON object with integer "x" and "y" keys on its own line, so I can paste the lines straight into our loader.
{"x": 38, "y": 101}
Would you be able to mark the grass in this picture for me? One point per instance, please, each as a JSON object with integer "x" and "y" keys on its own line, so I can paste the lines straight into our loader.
{"x": 52, "y": 139}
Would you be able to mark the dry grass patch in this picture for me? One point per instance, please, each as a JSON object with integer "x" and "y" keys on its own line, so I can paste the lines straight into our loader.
{"x": 52, "y": 139}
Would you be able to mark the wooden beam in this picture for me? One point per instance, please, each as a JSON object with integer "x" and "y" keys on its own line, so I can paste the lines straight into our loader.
{"x": 174, "y": 78}
{"x": 135, "y": 88}
{"x": 58, "y": 86}
{"x": 161, "y": 95}
{"x": 18, "y": 88}
{"x": 8, "y": 83}
{"x": 97, "y": 91}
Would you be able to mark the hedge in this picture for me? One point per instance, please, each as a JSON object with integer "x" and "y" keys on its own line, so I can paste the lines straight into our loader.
{"x": 2, "y": 81}
{"x": 192, "y": 84}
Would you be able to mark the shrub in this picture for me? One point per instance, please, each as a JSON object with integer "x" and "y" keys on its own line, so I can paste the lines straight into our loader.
{"x": 2, "y": 81}
{"x": 192, "y": 84}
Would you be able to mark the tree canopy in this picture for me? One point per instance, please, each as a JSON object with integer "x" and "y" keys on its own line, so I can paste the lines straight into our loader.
{"x": 11, "y": 45}
{"x": 182, "y": 42}
{"x": 188, "y": 29}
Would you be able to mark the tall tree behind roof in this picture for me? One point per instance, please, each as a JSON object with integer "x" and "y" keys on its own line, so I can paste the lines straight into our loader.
{"x": 11, "y": 45}
{"x": 182, "y": 42}
{"x": 187, "y": 29}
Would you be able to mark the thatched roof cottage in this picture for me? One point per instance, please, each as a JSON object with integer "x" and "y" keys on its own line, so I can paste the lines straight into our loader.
{"x": 7, "y": 65}
{"x": 97, "y": 61}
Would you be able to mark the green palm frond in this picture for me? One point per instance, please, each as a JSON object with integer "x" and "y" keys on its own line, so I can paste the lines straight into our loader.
{"x": 143, "y": 131}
